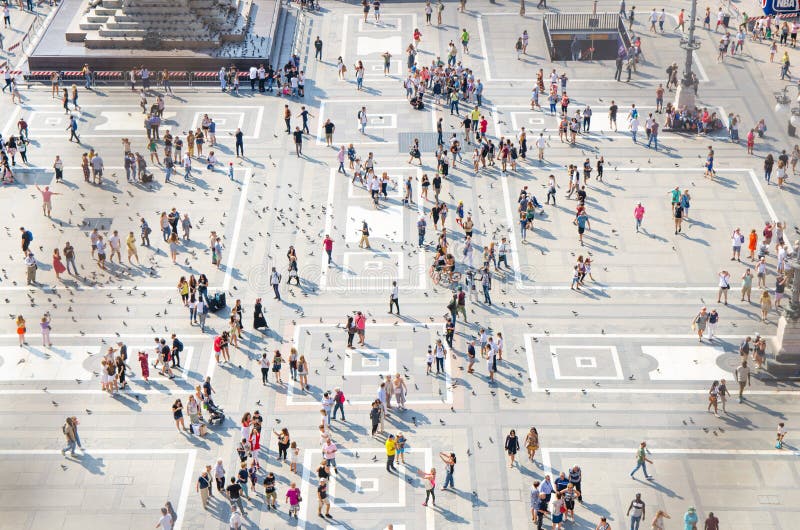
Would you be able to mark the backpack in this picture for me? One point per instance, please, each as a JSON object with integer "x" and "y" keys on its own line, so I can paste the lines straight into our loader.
{"x": 29, "y": 235}
{"x": 179, "y": 345}
{"x": 340, "y": 397}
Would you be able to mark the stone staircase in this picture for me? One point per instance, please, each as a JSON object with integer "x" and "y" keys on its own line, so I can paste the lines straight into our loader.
{"x": 162, "y": 24}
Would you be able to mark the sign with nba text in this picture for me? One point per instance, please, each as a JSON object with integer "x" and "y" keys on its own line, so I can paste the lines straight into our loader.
{"x": 780, "y": 7}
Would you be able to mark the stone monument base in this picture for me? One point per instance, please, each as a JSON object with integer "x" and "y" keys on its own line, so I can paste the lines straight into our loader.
{"x": 55, "y": 52}
{"x": 786, "y": 345}
{"x": 684, "y": 96}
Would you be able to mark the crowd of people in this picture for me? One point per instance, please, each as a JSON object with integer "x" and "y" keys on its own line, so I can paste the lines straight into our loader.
{"x": 459, "y": 258}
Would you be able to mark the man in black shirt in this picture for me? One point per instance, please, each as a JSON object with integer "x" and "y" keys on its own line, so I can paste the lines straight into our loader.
{"x": 298, "y": 141}
{"x": 204, "y": 487}
{"x": 177, "y": 348}
{"x": 318, "y": 49}
{"x": 304, "y": 114}
{"x": 235, "y": 494}
{"x": 329, "y": 128}
{"x": 322, "y": 495}
{"x": 269, "y": 490}
{"x": 239, "y": 143}
{"x": 166, "y": 352}
{"x": 612, "y": 115}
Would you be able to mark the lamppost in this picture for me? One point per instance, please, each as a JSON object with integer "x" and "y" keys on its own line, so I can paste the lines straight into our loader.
{"x": 685, "y": 95}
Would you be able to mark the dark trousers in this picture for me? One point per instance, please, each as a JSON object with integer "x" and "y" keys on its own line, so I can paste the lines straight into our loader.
{"x": 260, "y": 85}
{"x": 618, "y": 74}
{"x": 288, "y": 125}
{"x": 252, "y": 84}
{"x": 265, "y": 375}
{"x": 277, "y": 293}
{"x": 239, "y": 149}
{"x": 176, "y": 359}
{"x": 338, "y": 406}
{"x": 318, "y": 54}
{"x": 374, "y": 428}
{"x": 448, "y": 337}
{"x": 440, "y": 362}
{"x": 394, "y": 302}
{"x": 390, "y": 463}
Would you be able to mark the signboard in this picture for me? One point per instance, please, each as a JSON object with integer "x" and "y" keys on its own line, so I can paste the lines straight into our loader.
{"x": 780, "y": 7}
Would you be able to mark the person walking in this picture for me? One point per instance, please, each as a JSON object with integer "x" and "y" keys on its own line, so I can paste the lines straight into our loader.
{"x": 203, "y": 487}
{"x": 636, "y": 506}
{"x": 69, "y": 433}
{"x": 642, "y": 461}
{"x": 638, "y": 215}
{"x": 511, "y": 447}
{"x": 699, "y": 323}
{"x": 275, "y": 280}
{"x": 532, "y": 443}
{"x": 394, "y": 298}
{"x": 742, "y": 375}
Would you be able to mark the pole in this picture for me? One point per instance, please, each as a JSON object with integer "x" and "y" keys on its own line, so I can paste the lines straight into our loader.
{"x": 685, "y": 94}
{"x": 687, "y": 67}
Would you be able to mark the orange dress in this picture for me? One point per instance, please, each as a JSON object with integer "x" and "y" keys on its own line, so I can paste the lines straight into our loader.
{"x": 751, "y": 244}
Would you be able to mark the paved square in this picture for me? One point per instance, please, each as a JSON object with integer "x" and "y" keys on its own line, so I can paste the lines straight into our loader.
{"x": 595, "y": 371}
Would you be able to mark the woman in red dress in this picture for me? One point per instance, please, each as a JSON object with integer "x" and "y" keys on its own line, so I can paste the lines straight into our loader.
{"x": 58, "y": 266}
{"x": 143, "y": 364}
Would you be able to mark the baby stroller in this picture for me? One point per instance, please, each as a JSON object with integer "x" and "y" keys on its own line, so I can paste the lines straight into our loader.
{"x": 215, "y": 414}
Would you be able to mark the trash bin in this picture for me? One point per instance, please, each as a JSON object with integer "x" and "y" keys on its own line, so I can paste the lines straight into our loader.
{"x": 726, "y": 19}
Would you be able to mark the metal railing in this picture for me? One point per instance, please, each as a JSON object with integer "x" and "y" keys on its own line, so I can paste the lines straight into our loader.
{"x": 550, "y": 48}
{"x": 582, "y": 21}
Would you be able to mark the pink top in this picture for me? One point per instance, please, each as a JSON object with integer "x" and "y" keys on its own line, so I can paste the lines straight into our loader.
{"x": 294, "y": 496}
{"x": 330, "y": 450}
{"x": 638, "y": 212}
{"x": 46, "y": 194}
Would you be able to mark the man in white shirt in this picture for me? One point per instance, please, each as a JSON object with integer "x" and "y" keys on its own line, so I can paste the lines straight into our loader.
{"x": 201, "y": 312}
{"x": 394, "y": 298}
{"x": 253, "y": 76}
{"x": 540, "y": 145}
{"x": 114, "y": 242}
{"x": 165, "y": 523}
{"x": 275, "y": 280}
{"x": 236, "y": 519}
{"x": 634, "y": 124}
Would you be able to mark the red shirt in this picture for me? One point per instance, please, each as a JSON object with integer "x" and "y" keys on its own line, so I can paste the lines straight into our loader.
{"x": 328, "y": 244}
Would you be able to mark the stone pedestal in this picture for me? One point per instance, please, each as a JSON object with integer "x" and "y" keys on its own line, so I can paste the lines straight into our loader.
{"x": 684, "y": 96}
{"x": 786, "y": 342}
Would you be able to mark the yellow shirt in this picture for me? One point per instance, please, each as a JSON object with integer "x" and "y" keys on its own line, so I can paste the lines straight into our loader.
{"x": 390, "y": 447}
{"x": 131, "y": 242}
{"x": 475, "y": 115}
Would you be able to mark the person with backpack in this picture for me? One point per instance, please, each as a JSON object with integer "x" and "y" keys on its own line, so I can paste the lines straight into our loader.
{"x": 177, "y": 348}
{"x": 27, "y": 239}
{"x": 338, "y": 402}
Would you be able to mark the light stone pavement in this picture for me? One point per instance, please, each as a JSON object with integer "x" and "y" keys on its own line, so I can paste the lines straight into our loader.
{"x": 596, "y": 372}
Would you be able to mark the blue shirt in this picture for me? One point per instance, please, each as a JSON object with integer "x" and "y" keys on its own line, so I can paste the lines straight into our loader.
{"x": 581, "y": 219}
